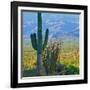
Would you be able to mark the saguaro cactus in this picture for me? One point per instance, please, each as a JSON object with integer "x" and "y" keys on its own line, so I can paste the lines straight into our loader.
{"x": 39, "y": 44}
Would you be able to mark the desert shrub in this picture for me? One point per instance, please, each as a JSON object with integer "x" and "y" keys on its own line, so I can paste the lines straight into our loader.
{"x": 71, "y": 70}
{"x": 50, "y": 58}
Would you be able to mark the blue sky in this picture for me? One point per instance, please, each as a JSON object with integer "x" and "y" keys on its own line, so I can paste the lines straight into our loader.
{"x": 59, "y": 24}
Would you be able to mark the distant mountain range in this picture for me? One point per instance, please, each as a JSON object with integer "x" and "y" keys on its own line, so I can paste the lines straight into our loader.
{"x": 61, "y": 26}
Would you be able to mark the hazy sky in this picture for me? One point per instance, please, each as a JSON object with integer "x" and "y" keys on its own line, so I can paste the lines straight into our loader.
{"x": 59, "y": 24}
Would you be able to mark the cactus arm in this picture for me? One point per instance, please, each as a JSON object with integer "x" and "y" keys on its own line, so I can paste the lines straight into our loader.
{"x": 34, "y": 41}
{"x": 46, "y": 39}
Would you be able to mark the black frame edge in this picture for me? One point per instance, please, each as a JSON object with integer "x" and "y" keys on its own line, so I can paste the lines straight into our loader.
{"x": 51, "y": 5}
{"x": 14, "y": 45}
{"x": 86, "y": 44}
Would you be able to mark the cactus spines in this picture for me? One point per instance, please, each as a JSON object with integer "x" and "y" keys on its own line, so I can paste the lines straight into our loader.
{"x": 39, "y": 45}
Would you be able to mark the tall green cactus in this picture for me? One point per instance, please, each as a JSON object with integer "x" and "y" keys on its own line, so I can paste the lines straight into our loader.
{"x": 39, "y": 44}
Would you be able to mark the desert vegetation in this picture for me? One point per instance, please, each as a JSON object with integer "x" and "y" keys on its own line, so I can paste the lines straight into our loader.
{"x": 45, "y": 57}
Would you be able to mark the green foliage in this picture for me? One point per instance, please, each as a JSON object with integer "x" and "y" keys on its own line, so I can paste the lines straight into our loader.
{"x": 70, "y": 70}
{"x": 29, "y": 73}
